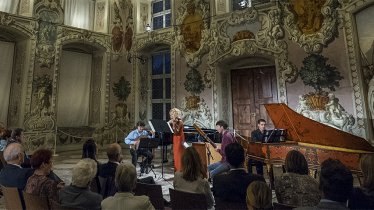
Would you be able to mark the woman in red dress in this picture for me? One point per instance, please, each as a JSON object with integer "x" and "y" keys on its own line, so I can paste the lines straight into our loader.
{"x": 178, "y": 137}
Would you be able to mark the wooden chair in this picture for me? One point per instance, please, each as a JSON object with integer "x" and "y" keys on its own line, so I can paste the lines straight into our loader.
{"x": 223, "y": 205}
{"x": 281, "y": 206}
{"x": 35, "y": 202}
{"x": 12, "y": 198}
{"x": 153, "y": 191}
{"x": 186, "y": 200}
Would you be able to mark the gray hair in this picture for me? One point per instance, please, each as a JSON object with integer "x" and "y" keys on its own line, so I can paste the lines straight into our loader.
{"x": 83, "y": 172}
{"x": 11, "y": 151}
{"x": 125, "y": 177}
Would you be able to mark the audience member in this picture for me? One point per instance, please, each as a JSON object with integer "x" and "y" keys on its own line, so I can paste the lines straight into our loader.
{"x": 39, "y": 184}
{"x": 190, "y": 179}
{"x": 3, "y": 140}
{"x": 227, "y": 138}
{"x": 17, "y": 137}
{"x": 13, "y": 175}
{"x": 78, "y": 194}
{"x": 90, "y": 150}
{"x": 336, "y": 184}
{"x": 296, "y": 187}
{"x": 363, "y": 197}
{"x": 232, "y": 186}
{"x": 259, "y": 196}
{"x": 257, "y": 135}
{"x": 125, "y": 179}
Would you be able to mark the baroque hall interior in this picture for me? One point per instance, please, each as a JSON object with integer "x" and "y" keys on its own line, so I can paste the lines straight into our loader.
{"x": 93, "y": 68}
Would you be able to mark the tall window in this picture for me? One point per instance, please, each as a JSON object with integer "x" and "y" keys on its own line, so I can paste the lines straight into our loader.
{"x": 161, "y": 85}
{"x": 9, "y": 6}
{"x": 161, "y": 14}
{"x": 241, "y": 4}
{"x": 79, "y": 13}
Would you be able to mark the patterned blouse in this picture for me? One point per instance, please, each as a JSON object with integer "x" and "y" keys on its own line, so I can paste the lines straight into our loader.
{"x": 42, "y": 186}
{"x": 297, "y": 190}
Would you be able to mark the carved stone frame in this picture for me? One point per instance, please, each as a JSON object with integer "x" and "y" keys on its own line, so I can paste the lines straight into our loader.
{"x": 314, "y": 43}
{"x": 193, "y": 60}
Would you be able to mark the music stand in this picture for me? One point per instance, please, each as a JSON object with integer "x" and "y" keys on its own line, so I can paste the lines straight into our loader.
{"x": 148, "y": 143}
{"x": 163, "y": 127}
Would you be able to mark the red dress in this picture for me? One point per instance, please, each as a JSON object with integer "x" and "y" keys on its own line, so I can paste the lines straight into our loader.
{"x": 178, "y": 139}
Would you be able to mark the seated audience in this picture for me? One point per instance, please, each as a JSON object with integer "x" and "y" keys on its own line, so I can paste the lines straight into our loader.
{"x": 78, "y": 194}
{"x": 125, "y": 179}
{"x": 17, "y": 137}
{"x": 39, "y": 184}
{"x": 3, "y": 140}
{"x": 259, "y": 196}
{"x": 232, "y": 186}
{"x": 190, "y": 179}
{"x": 90, "y": 150}
{"x": 296, "y": 187}
{"x": 13, "y": 175}
{"x": 336, "y": 184}
{"x": 363, "y": 197}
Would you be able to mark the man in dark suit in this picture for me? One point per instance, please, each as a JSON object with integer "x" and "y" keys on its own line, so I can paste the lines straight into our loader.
{"x": 232, "y": 186}
{"x": 13, "y": 175}
{"x": 257, "y": 135}
{"x": 336, "y": 184}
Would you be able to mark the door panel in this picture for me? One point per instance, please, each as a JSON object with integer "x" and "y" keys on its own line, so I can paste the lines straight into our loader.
{"x": 251, "y": 88}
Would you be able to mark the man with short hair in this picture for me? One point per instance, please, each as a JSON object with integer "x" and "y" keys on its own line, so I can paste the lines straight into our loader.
{"x": 232, "y": 186}
{"x": 336, "y": 185}
{"x": 13, "y": 175}
{"x": 257, "y": 135}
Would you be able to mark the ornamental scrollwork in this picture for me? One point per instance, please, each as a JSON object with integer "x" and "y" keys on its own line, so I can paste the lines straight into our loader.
{"x": 315, "y": 28}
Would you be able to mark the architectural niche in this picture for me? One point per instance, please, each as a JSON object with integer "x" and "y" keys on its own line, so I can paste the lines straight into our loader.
{"x": 301, "y": 27}
{"x": 192, "y": 32}
{"x": 49, "y": 15}
{"x": 268, "y": 42}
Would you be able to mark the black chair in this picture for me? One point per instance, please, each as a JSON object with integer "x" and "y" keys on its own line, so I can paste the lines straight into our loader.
{"x": 186, "y": 200}
{"x": 281, "y": 206}
{"x": 153, "y": 191}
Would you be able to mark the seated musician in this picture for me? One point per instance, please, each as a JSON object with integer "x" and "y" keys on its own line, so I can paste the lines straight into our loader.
{"x": 257, "y": 135}
{"x": 133, "y": 140}
{"x": 227, "y": 138}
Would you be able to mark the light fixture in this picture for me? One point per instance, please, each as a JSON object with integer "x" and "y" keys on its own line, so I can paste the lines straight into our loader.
{"x": 243, "y": 3}
{"x": 141, "y": 58}
{"x": 148, "y": 28}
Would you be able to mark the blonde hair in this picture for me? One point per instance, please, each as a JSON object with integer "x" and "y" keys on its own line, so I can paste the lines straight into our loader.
{"x": 259, "y": 196}
{"x": 125, "y": 178}
{"x": 83, "y": 172}
{"x": 175, "y": 112}
{"x": 367, "y": 167}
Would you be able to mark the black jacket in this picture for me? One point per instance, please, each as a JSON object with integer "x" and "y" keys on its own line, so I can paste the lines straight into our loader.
{"x": 14, "y": 176}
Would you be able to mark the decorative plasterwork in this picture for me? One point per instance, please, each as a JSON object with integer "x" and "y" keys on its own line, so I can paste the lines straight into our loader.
{"x": 314, "y": 42}
{"x": 201, "y": 116}
{"x": 49, "y": 14}
{"x": 193, "y": 58}
{"x": 354, "y": 64}
{"x": 24, "y": 25}
{"x": 268, "y": 42}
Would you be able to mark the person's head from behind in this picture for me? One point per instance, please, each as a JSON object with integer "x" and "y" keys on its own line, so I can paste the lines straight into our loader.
{"x": 235, "y": 155}
{"x": 17, "y": 135}
{"x": 125, "y": 178}
{"x": 192, "y": 167}
{"x": 296, "y": 163}
{"x": 89, "y": 149}
{"x": 261, "y": 124}
{"x": 140, "y": 126}
{"x": 83, "y": 172}
{"x": 221, "y": 126}
{"x": 2, "y": 130}
{"x": 13, "y": 154}
{"x": 336, "y": 180}
{"x": 114, "y": 152}
{"x": 367, "y": 167}
{"x": 41, "y": 160}
{"x": 259, "y": 196}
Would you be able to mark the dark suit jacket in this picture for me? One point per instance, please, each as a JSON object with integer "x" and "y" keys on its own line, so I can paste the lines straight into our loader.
{"x": 76, "y": 197}
{"x": 232, "y": 186}
{"x": 14, "y": 176}
{"x": 361, "y": 199}
{"x": 325, "y": 205}
{"x": 256, "y": 135}
{"x": 107, "y": 169}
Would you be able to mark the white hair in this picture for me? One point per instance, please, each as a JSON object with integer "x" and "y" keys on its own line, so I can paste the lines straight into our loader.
{"x": 125, "y": 178}
{"x": 83, "y": 172}
{"x": 11, "y": 151}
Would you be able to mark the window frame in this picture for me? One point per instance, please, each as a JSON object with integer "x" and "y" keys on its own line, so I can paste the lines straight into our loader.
{"x": 162, "y": 13}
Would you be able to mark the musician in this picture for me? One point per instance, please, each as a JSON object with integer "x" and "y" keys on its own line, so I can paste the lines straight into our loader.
{"x": 257, "y": 135}
{"x": 133, "y": 140}
{"x": 227, "y": 138}
{"x": 178, "y": 137}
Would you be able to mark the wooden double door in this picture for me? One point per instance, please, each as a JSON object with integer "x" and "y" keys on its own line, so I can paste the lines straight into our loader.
{"x": 251, "y": 88}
